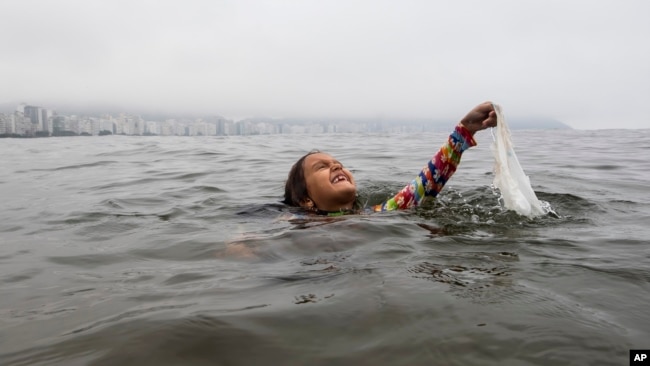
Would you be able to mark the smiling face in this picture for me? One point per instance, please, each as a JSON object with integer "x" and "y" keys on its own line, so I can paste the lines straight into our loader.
{"x": 330, "y": 187}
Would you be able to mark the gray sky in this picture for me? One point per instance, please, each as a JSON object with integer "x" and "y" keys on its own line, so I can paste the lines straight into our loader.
{"x": 585, "y": 63}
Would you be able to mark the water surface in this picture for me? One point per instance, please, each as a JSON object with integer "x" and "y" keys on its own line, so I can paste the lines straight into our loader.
{"x": 171, "y": 250}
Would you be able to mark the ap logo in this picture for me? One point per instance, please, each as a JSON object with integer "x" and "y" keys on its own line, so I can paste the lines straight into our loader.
{"x": 639, "y": 357}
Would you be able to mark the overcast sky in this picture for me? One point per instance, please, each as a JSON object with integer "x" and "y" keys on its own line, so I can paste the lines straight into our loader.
{"x": 585, "y": 63}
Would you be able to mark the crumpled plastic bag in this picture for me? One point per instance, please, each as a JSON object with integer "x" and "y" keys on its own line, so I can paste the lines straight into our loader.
{"x": 514, "y": 185}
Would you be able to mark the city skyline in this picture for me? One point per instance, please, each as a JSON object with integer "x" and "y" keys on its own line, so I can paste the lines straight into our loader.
{"x": 35, "y": 121}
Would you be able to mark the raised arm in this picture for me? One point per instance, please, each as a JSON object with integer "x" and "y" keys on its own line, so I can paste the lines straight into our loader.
{"x": 442, "y": 166}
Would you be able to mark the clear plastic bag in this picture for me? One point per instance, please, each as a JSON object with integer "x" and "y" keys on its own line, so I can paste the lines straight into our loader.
{"x": 514, "y": 185}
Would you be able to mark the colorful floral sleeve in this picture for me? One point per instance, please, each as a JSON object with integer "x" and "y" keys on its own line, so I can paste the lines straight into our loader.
{"x": 434, "y": 175}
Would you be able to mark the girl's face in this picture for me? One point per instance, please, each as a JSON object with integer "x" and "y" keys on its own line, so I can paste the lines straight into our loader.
{"x": 330, "y": 186}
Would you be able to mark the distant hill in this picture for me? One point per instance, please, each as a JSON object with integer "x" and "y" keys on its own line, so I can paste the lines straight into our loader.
{"x": 422, "y": 124}
{"x": 536, "y": 123}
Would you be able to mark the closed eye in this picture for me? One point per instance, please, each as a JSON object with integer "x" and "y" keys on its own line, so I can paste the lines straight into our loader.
{"x": 323, "y": 165}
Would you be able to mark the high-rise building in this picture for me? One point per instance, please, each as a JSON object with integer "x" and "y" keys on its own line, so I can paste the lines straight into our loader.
{"x": 4, "y": 121}
{"x": 34, "y": 114}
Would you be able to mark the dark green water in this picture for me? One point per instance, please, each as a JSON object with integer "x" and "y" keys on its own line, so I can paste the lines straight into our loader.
{"x": 168, "y": 251}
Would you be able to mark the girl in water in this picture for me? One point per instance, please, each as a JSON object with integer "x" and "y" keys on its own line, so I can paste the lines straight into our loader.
{"x": 320, "y": 184}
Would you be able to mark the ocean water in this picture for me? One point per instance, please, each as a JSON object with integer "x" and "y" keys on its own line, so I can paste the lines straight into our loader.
{"x": 125, "y": 250}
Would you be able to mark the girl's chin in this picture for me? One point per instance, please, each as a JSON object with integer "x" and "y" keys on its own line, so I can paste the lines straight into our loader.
{"x": 344, "y": 185}
{"x": 345, "y": 191}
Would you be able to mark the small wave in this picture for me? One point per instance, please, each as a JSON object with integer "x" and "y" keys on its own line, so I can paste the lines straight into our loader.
{"x": 89, "y": 260}
{"x": 10, "y": 256}
{"x": 458, "y": 275}
{"x": 607, "y": 167}
{"x": 9, "y": 229}
{"x": 485, "y": 283}
{"x": 72, "y": 167}
{"x": 95, "y": 216}
{"x": 186, "y": 277}
{"x": 129, "y": 314}
{"x": 148, "y": 149}
{"x": 22, "y": 276}
{"x": 137, "y": 202}
{"x": 129, "y": 183}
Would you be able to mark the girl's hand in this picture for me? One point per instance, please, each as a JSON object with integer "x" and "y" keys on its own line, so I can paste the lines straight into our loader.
{"x": 480, "y": 118}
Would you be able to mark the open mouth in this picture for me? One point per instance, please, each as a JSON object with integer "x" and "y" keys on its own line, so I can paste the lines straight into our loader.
{"x": 340, "y": 178}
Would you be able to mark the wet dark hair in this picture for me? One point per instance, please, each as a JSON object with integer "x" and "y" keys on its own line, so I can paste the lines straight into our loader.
{"x": 295, "y": 189}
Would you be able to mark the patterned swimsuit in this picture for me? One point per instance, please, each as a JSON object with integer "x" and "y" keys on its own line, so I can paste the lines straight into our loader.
{"x": 434, "y": 175}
